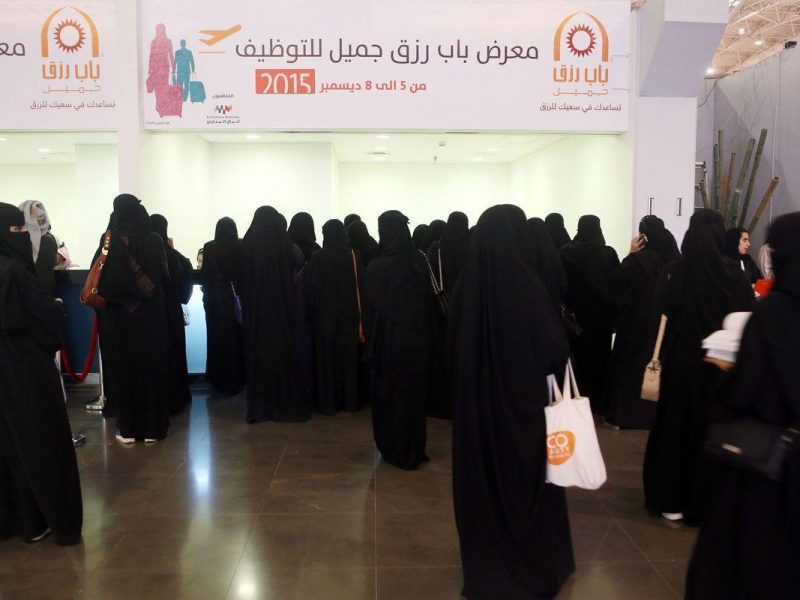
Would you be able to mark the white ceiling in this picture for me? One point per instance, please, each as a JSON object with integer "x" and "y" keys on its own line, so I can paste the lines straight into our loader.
{"x": 24, "y": 148}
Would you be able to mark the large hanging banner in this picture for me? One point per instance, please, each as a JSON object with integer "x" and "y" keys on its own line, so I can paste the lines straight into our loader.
{"x": 539, "y": 65}
{"x": 57, "y": 65}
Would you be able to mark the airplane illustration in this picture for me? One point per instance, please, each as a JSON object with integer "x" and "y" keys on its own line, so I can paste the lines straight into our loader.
{"x": 217, "y": 35}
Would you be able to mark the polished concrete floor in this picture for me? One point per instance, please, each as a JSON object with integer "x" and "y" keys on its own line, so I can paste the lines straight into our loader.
{"x": 222, "y": 509}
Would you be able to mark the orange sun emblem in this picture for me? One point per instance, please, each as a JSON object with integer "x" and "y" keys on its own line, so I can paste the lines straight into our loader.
{"x": 69, "y": 36}
{"x": 584, "y": 44}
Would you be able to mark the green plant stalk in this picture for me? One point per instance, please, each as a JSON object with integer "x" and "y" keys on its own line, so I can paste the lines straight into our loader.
{"x": 704, "y": 194}
{"x": 726, "y": 185}
{"x": 764, "y": 203}
{"x": 733, "y": 207}
{"x": 756, "y": 162}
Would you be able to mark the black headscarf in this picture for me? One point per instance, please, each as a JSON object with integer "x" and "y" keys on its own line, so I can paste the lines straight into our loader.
{"x": 159, "y": 225}
{"x": 589, "y": 231}
{"x": 420, "y": 235}
{"x": 130, "y": 216}
{"x": 362, "y": 242}
{"x": 350, "y": 219}
{"x": 398, "y": 261}
{"x": 16, "y": 246}
{"x": 549, "y": 266}
{"x": 301, "y": 231}
{"x": 334, "y": 237}
{"x": 732, "y": 239}
{"x": 454, "y": 246}
{"x": 226, "y": 238}
{"x": 784, "y": 239}
{"x": 659, "y": 239}
{"x": 435, "y": 231}
{"x": 714, "y": 281}
{"x": 558, "y": 233}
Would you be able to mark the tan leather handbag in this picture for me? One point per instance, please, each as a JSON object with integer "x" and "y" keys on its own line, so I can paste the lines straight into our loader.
{"x": 651, "y": 385}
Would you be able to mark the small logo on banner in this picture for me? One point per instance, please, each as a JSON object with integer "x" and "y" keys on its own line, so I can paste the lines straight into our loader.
{"x": 581, "y": 53}
{"x": 223, "y": 109}
{"x": 560, "y": 447}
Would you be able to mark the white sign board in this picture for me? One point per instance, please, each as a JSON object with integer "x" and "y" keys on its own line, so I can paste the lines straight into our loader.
{"x": 538, "y": 65}
{"x": 56, "y": 64}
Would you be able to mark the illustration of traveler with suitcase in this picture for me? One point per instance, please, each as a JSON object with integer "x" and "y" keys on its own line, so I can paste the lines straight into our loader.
{"x": 184, "y": 60}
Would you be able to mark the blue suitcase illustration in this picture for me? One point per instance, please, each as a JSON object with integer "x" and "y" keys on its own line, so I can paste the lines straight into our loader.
{"x": 197, "y": 91}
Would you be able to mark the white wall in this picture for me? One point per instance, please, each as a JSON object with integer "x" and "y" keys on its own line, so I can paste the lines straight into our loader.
{"x": 96, "y": 186}
{"x": 579, "y": 175}
{"x": 290, "y": 177}
{"x": 423, "y": 192}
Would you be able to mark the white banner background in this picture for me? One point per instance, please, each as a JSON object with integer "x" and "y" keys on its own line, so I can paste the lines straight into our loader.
{"x": 57, "y": 64}
{"x": 392, "y": 64}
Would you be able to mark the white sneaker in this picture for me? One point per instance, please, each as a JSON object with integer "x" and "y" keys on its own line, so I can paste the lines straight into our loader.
{"x": 41, "y": 536}
{"x": 150, "y": 441}
{"x": 125, "y": 440}
{"x": 673, "y": 516}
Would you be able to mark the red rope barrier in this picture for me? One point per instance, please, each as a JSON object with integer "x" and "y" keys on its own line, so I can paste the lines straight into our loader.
{"x": 89, "y": 359}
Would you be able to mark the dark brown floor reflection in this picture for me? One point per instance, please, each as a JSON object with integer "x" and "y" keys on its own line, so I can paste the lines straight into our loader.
{"x": 222, "y": 509}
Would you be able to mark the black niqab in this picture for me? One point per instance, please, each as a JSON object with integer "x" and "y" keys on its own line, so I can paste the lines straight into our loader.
{"x": 435, "y": 231}
{"x": 558, "y": 233}
{"x": 15, "y": 245}
{"x": 659, "y": 239}
{"x": 301, "y": 232}
{"x": 506, "y": 339}
{"x": 362, "y": 242}
{"x": 420, "y": 235}
{"x": 350, "y": 219}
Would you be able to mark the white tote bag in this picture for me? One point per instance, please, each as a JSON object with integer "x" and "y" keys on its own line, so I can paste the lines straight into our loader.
{"x": 573, "y": 452}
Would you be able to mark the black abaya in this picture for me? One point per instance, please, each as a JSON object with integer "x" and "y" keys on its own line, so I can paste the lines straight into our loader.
{"x": 39, "y": 481}
{"x": 557, "y": 231}
{"x": 591, "y": 267}
{"x": 695, "y": 293}
{"x": 748, "y": 545}
{"x": 301, "y": 232}
{"x": 275, "y": 387}
{"x": 637, "y": 326}
{"x": 506, "y": 338}
{"x": 137, "y": 344}
{"x": 225, "y": 342}
{"x": 330, "y": 282}
{"x": 176, "y": 293}
{"x": 398, "y": 303}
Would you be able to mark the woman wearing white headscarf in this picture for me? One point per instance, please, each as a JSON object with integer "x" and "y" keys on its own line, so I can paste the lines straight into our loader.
{"x": 45, "y": 245}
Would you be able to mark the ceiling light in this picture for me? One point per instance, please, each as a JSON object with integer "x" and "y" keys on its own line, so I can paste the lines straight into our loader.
{"x": 742, "y": 30}
{"x": 380, "y": 149}
{"x": 253, "y": 136}
{"x": 494, "y": 149}
{"x": 759, "y": 42}
{"x": 44, "y": 150}
{"x": 2, "y": 139}
{"x": 710, "y": 71}
{"x": 477, "y": 159}
{"x": 383, "y": 136}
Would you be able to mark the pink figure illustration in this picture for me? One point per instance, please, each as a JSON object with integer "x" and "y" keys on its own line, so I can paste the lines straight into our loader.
{"x": 162, "y": 59}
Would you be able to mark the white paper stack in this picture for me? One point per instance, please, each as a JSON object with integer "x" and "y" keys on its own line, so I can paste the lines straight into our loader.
{"x": 724, "y": 344}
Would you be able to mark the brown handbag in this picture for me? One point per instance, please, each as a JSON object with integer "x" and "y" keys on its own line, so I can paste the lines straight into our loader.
{"x": 361, "y": 337}
{"x": 651, "y": 384}
{"x": 89, "y": 293}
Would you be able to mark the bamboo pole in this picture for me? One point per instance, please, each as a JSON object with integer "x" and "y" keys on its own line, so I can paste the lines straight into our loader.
{"x": 717, "y": 169}
{"x": 704, "y": 194}
{"x": 756, "y": 162}
{"x": 726, "y": 185}
{"x": 764, "y": 203}
{"x": 733, "y": 207}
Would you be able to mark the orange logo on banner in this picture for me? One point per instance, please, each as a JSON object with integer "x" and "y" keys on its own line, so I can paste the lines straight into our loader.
{"x": 560, "y": 447}
{"x": 70, "y": 35}
{"x": 585, "y": 46}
